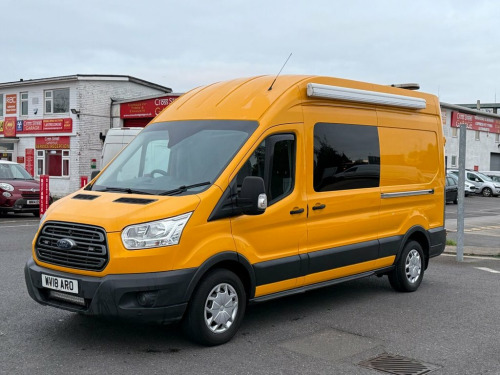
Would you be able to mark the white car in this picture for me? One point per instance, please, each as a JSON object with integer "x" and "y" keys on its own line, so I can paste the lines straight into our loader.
{"x": 485, "y": 185}
{"x": 470, "y": 188}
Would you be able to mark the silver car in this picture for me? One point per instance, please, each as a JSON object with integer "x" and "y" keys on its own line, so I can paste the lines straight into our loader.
{"x": 485, "y": 185}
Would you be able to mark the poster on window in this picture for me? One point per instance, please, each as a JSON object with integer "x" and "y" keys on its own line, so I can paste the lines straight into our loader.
{"x": 11, "y": 104}
{"x": 30, "y": 161}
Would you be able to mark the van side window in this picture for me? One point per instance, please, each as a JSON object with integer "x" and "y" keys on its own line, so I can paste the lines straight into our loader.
{"x": 345, "y": 157}
{"x": 274, "y": 161}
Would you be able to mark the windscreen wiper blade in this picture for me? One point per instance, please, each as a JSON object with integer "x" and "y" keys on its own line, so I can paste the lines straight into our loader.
{"x": 183, "y": 188}
{"x": 125, "y": 190}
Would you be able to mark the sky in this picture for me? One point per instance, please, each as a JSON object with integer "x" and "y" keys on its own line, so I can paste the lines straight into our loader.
{"x": 449, "y": 47}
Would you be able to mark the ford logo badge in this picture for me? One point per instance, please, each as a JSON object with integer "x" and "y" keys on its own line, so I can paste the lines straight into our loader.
{"x": 66, "y": 244}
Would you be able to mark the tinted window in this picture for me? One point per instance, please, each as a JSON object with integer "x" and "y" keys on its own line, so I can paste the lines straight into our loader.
{"x": 346, "y": 157}
{"x": 274, "y": 161}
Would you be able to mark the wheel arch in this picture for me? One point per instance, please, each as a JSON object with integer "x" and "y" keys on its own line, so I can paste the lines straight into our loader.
{"x": 420, "y": 235}
{"x": 231, "y": 261}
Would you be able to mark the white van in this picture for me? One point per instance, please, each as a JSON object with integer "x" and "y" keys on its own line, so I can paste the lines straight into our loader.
{"x": 116, "y": 139}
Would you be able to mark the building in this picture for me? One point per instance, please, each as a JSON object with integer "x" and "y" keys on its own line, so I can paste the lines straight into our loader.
{"x": 52, "y": 125}
{"x": 482, "y": 138}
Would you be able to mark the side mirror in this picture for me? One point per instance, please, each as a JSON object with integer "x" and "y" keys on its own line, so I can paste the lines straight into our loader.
{"x": 252, "y": 198}
{"x": 93, "y": 174}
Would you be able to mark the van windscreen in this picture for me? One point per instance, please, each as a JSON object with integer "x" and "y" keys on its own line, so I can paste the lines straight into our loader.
{"x": 178, "y": 157}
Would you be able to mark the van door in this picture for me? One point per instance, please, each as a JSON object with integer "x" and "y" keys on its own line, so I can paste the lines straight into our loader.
{"x": 343, "y": 170}
{"x": 271, "y": 241}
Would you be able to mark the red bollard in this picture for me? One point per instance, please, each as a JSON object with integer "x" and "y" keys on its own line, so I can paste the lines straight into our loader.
{"x": 44, "y": 194}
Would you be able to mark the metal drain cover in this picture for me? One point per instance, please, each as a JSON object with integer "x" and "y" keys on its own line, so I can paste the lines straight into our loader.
{"x": 398, "y": 365}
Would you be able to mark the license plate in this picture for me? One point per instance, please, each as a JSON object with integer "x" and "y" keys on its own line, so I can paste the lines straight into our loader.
{"x": 59, "y": 283}
{"x": 33, "y": 201}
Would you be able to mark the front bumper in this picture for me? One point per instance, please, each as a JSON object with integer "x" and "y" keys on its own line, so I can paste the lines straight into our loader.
{"x": 117, "y": 295}
{"x": 19, "y": 206}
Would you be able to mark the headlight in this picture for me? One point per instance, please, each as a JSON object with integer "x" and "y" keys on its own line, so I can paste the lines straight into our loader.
{"x": 6, "y": 187}
{"x": 165, "y": 232}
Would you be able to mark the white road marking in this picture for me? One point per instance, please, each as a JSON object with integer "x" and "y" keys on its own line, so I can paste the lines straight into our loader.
{"x": 487, "y": 269}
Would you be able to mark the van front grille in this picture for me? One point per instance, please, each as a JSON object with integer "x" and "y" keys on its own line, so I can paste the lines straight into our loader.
{"x": 73, "y": 245}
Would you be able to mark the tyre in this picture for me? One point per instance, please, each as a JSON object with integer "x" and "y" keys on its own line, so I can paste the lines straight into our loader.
{"x": 455, "y": 201}
{"x": 487, "y": 192}
{"x": 409, "y": 271}
{"x": 216, "y": 308}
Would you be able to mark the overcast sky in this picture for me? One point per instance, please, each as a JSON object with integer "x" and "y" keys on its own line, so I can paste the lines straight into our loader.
{"x": 450, "y": 47}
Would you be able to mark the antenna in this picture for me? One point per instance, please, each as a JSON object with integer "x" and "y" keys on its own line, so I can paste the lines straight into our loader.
{"x": 271, "y": 87}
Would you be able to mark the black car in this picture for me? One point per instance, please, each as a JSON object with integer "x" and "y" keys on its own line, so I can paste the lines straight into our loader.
{"x": 451, "y": 190}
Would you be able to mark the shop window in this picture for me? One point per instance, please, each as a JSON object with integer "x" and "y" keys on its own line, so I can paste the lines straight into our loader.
{"x": 56, "y": 101}
{"x": 497, "y": 138}
{"x": 24, "y": 104}
{"x": 1, "y": 105}
{"x": 453, "y": 160}
{"x": 477, "y": 135}
{"x": 454, "y": 132}
{"x": 345, "y": 157}
{"x": 54, "y": 163}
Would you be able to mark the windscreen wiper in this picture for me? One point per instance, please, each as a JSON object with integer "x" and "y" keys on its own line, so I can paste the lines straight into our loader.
{"x": 183, "y": 188}
{"x": 125, "y": 190}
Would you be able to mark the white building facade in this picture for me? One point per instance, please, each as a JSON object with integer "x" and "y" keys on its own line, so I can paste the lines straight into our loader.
{"x": 52, "y": 125}
{"x": 482, "y": 138}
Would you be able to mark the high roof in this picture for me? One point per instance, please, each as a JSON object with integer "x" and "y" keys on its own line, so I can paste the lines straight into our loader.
{"x": 251, "y": 99}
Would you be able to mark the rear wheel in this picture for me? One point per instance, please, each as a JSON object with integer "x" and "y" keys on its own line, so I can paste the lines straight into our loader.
{"x": 487, "y": 192}
{"x": 216, "y": 308}
{"x": 409, "y": 271}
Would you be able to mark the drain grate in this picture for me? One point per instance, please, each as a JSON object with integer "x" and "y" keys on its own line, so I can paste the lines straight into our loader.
{"x": 398, "y": 365}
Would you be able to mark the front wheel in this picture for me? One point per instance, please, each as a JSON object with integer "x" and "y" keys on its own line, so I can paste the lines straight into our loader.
{"x": 487, "y": 192}
{"x": 409, "y": 271}
{"x": 216, "y": 308}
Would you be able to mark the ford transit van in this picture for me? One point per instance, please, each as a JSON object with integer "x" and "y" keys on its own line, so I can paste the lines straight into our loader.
{"x": 243, "y": 191}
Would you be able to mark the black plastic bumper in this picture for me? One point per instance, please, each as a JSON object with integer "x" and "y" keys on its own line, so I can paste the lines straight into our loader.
{"x": 437, "y": 244}
{"x": 117, "y": 295}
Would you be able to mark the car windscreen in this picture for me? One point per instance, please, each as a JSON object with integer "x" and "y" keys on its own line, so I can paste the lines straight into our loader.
{"x": 178, "y": 157}
{"x": 13, "y": 172}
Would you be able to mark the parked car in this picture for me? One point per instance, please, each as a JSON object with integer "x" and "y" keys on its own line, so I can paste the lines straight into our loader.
{"x": 494, "y": 175}
{"x": 469, "y": 188}
{"x": 485, "y": 185}
{"x": 451, "y": 190}
{"x": 19, "y": 192}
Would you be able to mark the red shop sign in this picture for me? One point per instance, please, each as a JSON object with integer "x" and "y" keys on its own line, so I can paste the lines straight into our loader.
{"x": 473, "y": 122}
{"x": 30, "y": 161}
{"x": 59, "y": 125}
{"x": 145, "y": 108}
{"x": 11, "y": 104}
{"x": 52, "y": 143}
{"x": 9, "y": 127}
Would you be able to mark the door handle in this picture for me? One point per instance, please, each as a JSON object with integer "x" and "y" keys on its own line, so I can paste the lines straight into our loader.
{"x": 318, "y": 207}
{"x": 296, "y": 211}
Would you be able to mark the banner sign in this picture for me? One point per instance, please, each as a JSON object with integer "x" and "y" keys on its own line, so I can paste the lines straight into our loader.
{"x": 20, "y": 160}
{"x": 9, "y": 127}
{"x": 52, "y": 143}
{"x": 11, "y": 104}
{"x": 44, "y": 194}
{"x": 30, "y": 161}
{"x": 60, "y": 125}
{"x": 145, "y": 108}
{"x": 473, "y": 122}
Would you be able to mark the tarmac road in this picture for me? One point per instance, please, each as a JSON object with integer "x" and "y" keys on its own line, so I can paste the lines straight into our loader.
{"x": 451, "y": 323}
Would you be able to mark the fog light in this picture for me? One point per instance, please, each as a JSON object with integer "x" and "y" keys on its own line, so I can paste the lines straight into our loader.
{"x": 146, "y": 299}
{"x": 6, "y": 194}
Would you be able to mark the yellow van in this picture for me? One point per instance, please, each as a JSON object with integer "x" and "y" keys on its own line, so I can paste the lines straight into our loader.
{"x": 244, "y": 191}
